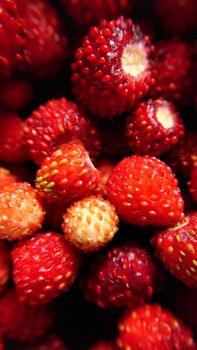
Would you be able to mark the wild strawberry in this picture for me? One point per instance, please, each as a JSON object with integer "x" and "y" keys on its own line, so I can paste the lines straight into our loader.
{"x": 90, "y": 223}
{"x": 12, "y": 148}
{"x": 15, "y": 94}
{"x": 177, "y": 16}
{"x": 115, "y": 146}
{"x": 174, "y": 72}
{"x": 86, "y": 13}
{"x": 176, "y": 247}
{"x": 22, "y": 322}
{"x": 103, "y": 345}
{"x": 183, "y": 157}
{"x": 154, "y": 127}
{"x": 112, "y": 69}
{"x": 21, "y": 211}
{"x": 51, "y": 342}
{"x": 5, "y": 265}
{"x": 46, "y": 44}
{"x": 55, "y": 123}
{"x": 44, "y": 266}
{"x": 144, "y": 191}
{"x": 123, "y": 276}
{"x": 105, "y": 168}
{"x": 67, "y": 174}
{"x": 6, "y": 177}
{"x": 152, "y": 327}
{"x": 193, "y": 184}
{"x": 11, "y": 36}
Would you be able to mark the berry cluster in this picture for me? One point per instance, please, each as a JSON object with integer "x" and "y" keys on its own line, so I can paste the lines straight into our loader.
{"x": 98, "y": 175}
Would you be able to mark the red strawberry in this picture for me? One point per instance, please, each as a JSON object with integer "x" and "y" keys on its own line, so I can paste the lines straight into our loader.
{"x": 67, "y": 174}
{"x": 193, "y": 184}
{"x": 123, "y": 276}
{"x": 90, "y": 223}
{"x": 177, "y": 16}
{"x": 176, "y": 247}
{"x": 46, "y": 44}
{"x": 15, "y": 94}
{"x": 144, "y": 191}
{"x": 154, "y": 127}
{"x": 88, "y": 12}
{"x": 152, "y": 327}
{"x": 51, "y": 342}
{"x": 44, "y": 266}
{"x": 22, "y": 322}
{"x": 5, "y": 265}
{"x": 21, "y": 211}
{"x": 112, "y": 69}
{"x": 11, "y": 36}
{"x": 55, "y": 123}
{"x": 6, "y": 177}
{"x": 183, "y": 157}
{"x": 12, "y": 148}
{"x": 103, "y": 345}
{"x": 174, "y": 72}
{"x": 105, "y": 168}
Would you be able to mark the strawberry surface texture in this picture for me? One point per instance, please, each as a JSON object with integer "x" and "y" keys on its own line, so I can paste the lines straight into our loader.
{"x": 98, "y": 175}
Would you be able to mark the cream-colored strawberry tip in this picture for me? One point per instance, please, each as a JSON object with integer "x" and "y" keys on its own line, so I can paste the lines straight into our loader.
{"x": 165, "y": 117}
{"x": 134, "y": 59}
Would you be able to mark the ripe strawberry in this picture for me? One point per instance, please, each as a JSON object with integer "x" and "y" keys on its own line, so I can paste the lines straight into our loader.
{"x": 6, "y": 177}
{"x": 51, "y": 342}
{"x": 22, "y": 322}
{"x": 90, "y": 223}
{"x": 15, "y": 94}
{"x": 177, "y": 16}
{"x": 86, "y": 12}
{"x": 46, "y": 44}
{"x": 44, "y": 266}
{"x": 103, "y": 345}
{"x": 57, "y": 122}
{"x": 112, "y": 69}
{"x": 152, "y": 327}
{"x": 105, "y": 167}
{"x": 154, "y": 127}
{"x": 67, "y": 174}
{"x": 193, "y": 184}
{"x": 21, "y": 211}
{"x": 5, "y": 266}
{"x": 11, "y": 36}
{"x": 183, "y": 157}
{"x": 144, "y": 191}
{"x": 174, "y": 72}
{"x": 176, "y": 247}
{"x": 12, "y": 148}
{"x": 123, "y": 276}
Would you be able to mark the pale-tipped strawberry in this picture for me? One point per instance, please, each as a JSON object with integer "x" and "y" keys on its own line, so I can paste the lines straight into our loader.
{"x": 176, "y": 247}
{"x": 57, "y": 122}
{"x": 154, "y": 128}
{"x": 12, "y": 147}
{"x": 5, "y": 265}
{"x": 193, "y": 184}
{"x": 22, "y": 322}
{"x": 44, "y": 266}
{"x": 152, "y": 327}
{"x": 67, "y": 174}
{"x": 145, "y": 191}
{"x": 112, "y": 70}
{"x": 123, "y": 276}
{"x": 90, "y": 223}
{"x": 21, "y": 211}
